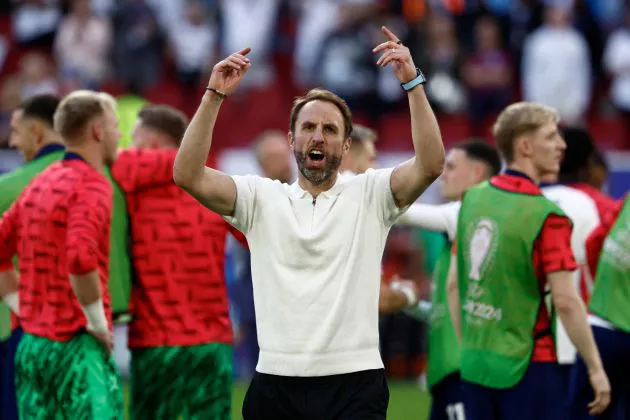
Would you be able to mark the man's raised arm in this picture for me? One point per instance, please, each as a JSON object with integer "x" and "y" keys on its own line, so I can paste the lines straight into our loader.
{"x": 212, "y": 188}
{"x": 411, "y": 178}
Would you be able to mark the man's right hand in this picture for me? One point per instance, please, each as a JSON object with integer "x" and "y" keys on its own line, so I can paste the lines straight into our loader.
{"x": 227, "y": 73}
{"x": 106, "y": 338}
{"x": 601, "y": 390}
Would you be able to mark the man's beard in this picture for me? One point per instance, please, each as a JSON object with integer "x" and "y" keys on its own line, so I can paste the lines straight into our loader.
{"x": 317, "y": 176}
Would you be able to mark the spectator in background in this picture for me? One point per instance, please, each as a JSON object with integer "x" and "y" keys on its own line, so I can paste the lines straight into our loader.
{"x": 316, "y": 20}
{"x": 104, "y": 8}
{"x": 169, "y": 12}
{"x": 36, "y": 76}
{"x": 192, "y": 40}
{"x": 617, "y": 63}
{"x": 34, "y": 22}
{"x": 137, "y": 45}
{"x": 556, "y": 66}
{"x": 82, "y": 47}
{"x": 251, "y": 24}
{"x": 606, "y": 13}
{"x": 345, "y": 63}
{"x": 487, "y": 73}
{"x": 443, "y": 86}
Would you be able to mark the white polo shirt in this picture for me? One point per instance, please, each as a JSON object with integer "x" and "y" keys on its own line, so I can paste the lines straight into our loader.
{"x": 316, "y": 268}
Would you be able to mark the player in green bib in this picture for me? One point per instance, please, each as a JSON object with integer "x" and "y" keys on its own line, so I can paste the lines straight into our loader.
{"x": 33, "y": 135}
{"x": 608, "y": 249}
{"x": 467, "y": 164}
{"x": 511, "y": 243}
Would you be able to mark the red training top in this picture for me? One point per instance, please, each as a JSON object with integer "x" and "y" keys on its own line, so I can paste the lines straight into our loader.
{"x": 179, "y": 296}
{"x": 60, "y": 225}
{"x": 595, "y": 241}
{"x": 604, "y": 203}
{"x": 552, "y": 252}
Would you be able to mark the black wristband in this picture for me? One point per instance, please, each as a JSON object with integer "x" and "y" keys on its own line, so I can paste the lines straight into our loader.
{"x": 217, "y": 92}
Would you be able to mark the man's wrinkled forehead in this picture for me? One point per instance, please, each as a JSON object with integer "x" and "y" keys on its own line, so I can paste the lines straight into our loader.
{"x": 320, "y": 112}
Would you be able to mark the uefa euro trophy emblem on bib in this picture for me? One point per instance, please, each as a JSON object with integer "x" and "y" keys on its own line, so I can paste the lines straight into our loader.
{"x": 480, "y": 247}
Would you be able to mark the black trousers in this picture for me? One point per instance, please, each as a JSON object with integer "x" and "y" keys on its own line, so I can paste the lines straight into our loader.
{"x": 352, "y": 396}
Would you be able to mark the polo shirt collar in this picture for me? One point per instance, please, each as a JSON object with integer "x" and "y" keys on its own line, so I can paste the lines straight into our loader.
{"x": 297, "y": 191}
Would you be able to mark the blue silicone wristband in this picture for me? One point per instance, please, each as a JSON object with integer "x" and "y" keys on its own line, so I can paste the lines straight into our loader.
{"x": 419, "y": 79}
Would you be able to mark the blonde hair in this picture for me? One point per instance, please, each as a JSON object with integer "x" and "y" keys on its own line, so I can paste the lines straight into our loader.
{"x": 75, "y": 111}
{"x": 517, "y": 120}
{"x": 107, "y": 100}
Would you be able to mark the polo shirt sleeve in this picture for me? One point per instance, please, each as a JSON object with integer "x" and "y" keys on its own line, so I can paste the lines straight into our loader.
{"x": 247, "y": 190}
{"x": 380, "y": 195}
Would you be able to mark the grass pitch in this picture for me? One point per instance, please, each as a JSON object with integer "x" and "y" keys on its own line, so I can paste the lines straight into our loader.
{"x": 406, "y": 401}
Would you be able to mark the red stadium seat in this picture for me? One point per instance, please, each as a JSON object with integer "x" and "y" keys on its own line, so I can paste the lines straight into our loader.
{"x": 609, "y": 132}
{"x": 395, "y": 130}
{"x": 165, "y": 92}
{"x": 114, "y": 88}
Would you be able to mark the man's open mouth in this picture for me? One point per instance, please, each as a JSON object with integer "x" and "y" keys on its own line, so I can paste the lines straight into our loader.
{"x": 316, "y": 155}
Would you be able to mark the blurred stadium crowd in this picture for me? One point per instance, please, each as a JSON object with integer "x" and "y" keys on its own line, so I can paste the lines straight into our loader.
{"x": 479, "y": 55}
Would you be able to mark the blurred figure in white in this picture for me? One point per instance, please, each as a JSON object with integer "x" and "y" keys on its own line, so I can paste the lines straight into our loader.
{"x": 556, "y": 65}
{"x": 36, "y": 75}
{"x": 317, "y": 21}
{"x": 251, "y": 24}
{"x": 192, "y": 39}
{"x": 82, "y": 46}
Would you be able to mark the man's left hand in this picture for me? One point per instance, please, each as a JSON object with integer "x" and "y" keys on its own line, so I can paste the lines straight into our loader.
{"x": 398, "y": 55}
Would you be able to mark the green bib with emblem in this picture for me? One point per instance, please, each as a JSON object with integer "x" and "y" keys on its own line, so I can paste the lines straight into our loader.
{"x": 500, "y": 295}
{"x": 611, "y": 295}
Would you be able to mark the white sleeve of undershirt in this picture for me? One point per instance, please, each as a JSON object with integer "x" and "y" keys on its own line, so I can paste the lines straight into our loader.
{"x": 438, "y": 218}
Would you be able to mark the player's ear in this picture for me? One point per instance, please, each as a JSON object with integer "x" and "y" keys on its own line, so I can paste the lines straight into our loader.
{"x": 36, "y": 131}
{"x": 479, "y": 171}
{"x": 346, "y": 145}
{"x": 97, "y": 127}
{"x": 522, "y": 146}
